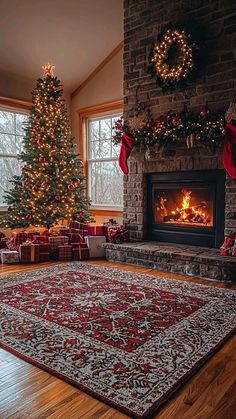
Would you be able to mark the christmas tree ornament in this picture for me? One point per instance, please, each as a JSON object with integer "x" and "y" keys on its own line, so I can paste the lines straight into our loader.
{"x": 71, "y": 187}
{"x": 42, "y": 159}
{"x": 17, "y": 187}
{"x": 40, "y": 142}
{"x": 29, "y": 217}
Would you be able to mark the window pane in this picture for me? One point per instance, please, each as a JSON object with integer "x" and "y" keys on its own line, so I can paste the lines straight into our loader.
{"x": 94, "y": 130}
{"x": 116, "y": 150}
{"x": 106, "y": 183}
{"x": 105, "y": 149}
{"x": 9, "y": 166}
{"x": 7, "y": 123}
{"x": 19, "y": 144}
{"x": 105, "y": 128}
{"x": 7, "y": 144}
{"x": 21, "y": 120}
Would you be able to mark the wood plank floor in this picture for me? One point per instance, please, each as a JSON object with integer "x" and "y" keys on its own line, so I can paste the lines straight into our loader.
{"x": 26, "y": 392}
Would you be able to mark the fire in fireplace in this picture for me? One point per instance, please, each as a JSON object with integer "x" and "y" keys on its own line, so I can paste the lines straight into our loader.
{"x": 186, "y": 207}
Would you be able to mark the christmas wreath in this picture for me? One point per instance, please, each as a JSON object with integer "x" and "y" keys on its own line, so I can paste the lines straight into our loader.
{"x": 173, "y": 59}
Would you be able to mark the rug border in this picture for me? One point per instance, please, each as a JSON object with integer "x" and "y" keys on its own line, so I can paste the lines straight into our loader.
{"x": 153, "y": 409}
{"x": 165, "y": 398}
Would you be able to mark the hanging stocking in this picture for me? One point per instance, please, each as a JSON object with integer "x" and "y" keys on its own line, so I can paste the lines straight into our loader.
{"x": 229, "y": 153}
{"x": 126, "y": 148}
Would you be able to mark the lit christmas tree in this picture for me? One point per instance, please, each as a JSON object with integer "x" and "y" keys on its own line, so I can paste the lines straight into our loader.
{"x": 51, "y": 186}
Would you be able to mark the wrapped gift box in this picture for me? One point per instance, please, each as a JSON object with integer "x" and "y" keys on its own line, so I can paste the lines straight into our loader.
{"x": 65, "y": 252}
{"x": 44, "y": 257}
{"x": 56, "y": 241}
{"x": 64, "y": 231}
{"x": 97, "y": 230}
{"x": 41, "y": 239}
{"x": 81, "y": 252}
{"x": 19, "y": 238}
{"x": 78, "y": 226}
{"x": 9, "y": 256}
{"x": 95, "y": 245}
{"x": 75, "y": 238}
{"x": 29, "y": 253}
{"x": 32, "y": 234}
{"x": 118, "y": 234}
{"x": 16, "y": 239}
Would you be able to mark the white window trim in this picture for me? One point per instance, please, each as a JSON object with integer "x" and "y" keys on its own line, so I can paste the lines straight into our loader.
{"x": 18, "y": 110}
{"x": 104, "y": 207}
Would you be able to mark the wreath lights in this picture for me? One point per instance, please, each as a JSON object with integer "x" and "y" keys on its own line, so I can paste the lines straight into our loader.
{"x": 172, "y": 75}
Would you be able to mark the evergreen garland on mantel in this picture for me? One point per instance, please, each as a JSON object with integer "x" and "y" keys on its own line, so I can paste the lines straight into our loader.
{"x": 205, "y": 127}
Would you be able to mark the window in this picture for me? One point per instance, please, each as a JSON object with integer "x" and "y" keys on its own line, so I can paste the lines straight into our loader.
{"x": 105, "y": 180}
{"x": 11, "y": 136}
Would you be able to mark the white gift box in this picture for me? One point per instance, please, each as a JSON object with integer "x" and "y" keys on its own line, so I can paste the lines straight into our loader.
{"x": 95, "y": 245}
{"x": 9, "y": 256}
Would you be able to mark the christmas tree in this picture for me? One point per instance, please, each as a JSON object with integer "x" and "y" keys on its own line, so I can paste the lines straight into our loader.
{"x": 51, "y": 186}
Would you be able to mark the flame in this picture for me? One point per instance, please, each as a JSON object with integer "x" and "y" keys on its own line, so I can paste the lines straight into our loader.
{"x": 187, "y": 213}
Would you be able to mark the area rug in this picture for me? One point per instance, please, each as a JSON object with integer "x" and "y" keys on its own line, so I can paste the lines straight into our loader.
{"x": 129, "y": 339}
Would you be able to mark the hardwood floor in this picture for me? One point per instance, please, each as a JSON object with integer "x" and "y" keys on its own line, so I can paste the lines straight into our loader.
{"x": 27, "y": 392}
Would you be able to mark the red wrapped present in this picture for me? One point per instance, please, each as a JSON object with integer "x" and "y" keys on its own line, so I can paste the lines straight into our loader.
{"x": 3, "y": 243}
{"x": 29, "y": 253}
{"x": 97, "y": 230}
{"x": 31, "y": 234}
{"x": 16, "y": 239}
{"x": 64, "y": 231}
{"x": 81, "y": 252}
{"x": 227, "y": 247}
{"x": 75, "y": 238}
{"x": 65, "y": 252}
{"x": 78, "y": 226}
{"x": 118, "y": 234}
{"x": 40, "y": 239}
{"x": 56, "y": 241}
{"x": 44, "y": 257}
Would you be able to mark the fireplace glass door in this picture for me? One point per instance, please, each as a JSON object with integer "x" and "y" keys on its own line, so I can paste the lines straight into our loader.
{"x": 186, "y": 207}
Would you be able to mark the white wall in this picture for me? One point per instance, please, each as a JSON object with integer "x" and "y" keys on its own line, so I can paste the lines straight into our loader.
{"x": 106, "y": 86}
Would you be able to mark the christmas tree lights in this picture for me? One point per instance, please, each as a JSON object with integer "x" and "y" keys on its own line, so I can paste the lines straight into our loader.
{"x": 51, "y": 186}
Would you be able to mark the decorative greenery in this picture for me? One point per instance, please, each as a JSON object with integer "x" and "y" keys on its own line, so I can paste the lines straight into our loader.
{"x": 205, "y": 127}
{"x": 51, "y": 186}
{"x": 174, "y": 58}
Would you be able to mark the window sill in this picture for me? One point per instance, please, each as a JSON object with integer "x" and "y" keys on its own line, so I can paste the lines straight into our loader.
{"x": 106, "y": 208}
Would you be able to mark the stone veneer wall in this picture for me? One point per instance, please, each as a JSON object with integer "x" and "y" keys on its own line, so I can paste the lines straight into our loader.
{"x": 142, "y": 21}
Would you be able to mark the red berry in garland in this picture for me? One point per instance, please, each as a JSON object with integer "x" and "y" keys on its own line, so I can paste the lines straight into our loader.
{"x": 29, "y": 217}
{"x": 17, "y": 187}
{"x": 40, "y": 142}
{"x": 71, "y": 187}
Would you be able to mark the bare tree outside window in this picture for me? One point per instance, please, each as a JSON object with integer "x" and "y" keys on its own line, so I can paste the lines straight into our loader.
{"x": 11, "y": 139}
{"x": 104, "y": 175}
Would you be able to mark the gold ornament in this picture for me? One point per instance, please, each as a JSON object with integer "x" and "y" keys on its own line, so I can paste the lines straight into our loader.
{"x": 48, "y": 69}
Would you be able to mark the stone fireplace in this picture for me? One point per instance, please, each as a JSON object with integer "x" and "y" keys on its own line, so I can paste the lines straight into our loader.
{"x": 169, "y": 248}
{"x": 143, "y": 19}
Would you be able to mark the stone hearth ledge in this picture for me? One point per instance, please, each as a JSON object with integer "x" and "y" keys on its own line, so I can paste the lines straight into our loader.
{"x": 182, "y": 259}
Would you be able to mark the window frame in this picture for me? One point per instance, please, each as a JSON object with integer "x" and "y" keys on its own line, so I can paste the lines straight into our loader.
{"x": 15, "y": 106}
{"x": 97, "y": 112}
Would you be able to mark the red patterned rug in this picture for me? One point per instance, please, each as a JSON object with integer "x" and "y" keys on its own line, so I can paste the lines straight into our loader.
{"x": 128, "y": 339}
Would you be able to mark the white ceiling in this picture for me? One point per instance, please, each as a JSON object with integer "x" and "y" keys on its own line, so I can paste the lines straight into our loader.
{"x": 74, "y": 35}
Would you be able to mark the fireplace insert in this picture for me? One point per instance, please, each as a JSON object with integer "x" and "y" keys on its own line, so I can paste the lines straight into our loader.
{"x": 186, "y": 207}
